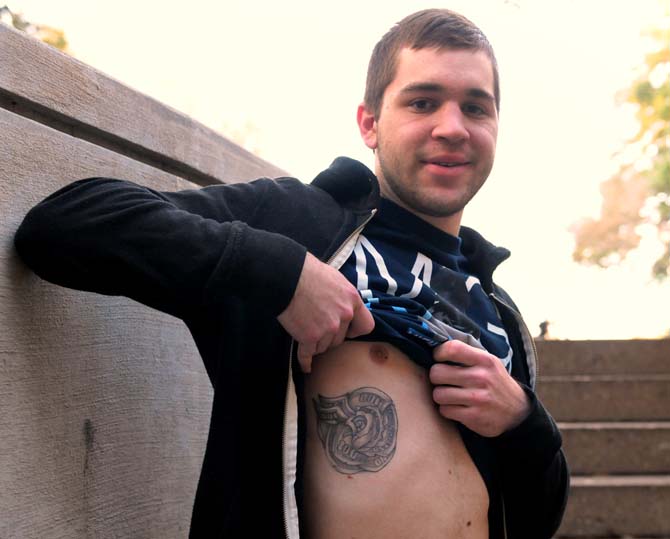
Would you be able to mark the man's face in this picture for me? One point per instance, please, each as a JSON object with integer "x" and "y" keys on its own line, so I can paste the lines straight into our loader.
{"x": 435, "y": 136}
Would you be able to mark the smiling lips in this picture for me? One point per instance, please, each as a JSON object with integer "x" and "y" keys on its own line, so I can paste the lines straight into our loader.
{"x": 447, "y": 163}
{"x": 450, "y": 164}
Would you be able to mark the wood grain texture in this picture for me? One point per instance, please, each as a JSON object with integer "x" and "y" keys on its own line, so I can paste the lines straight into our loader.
{"x": 42, "y": 82}
{"x": 105, "y": 403}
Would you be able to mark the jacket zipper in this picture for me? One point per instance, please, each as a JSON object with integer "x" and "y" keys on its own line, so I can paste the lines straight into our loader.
{"x": 289, "y": 455}
{"x": 340, "y": 256}
{"x": 290, "y": 431}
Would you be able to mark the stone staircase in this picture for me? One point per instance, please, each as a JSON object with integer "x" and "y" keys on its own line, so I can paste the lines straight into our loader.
{"x": 612, "y": 402}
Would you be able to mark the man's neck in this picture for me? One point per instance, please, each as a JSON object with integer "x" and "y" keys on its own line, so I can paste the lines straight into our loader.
{"x": 451, "y": 224}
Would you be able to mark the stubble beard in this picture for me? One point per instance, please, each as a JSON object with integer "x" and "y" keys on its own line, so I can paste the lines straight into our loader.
{"x": 409, "y": 194}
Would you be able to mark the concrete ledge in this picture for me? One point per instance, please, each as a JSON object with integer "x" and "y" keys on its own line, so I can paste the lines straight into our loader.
{"x": 617, "y": 447}
{"x": 606, "y": 398}
{"x": 631, "y": 506}
{"x": 640, "y": 356}
{"x": 49, "y": 87}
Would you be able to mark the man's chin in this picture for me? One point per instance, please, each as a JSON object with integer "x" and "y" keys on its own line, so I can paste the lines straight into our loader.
{"x": 439, "y": 206}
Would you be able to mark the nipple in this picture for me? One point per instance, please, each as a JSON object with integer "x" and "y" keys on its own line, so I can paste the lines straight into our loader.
{"x": 378, "y": 353}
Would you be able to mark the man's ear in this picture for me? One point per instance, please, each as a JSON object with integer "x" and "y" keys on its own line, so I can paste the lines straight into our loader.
{"x": 367, "y": 126}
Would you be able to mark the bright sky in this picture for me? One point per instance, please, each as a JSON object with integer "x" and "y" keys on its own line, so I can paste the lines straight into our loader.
{"x": 290, "y": 74}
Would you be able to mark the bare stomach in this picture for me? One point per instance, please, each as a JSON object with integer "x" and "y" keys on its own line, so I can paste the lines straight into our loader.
{"x": 380, "y": 461}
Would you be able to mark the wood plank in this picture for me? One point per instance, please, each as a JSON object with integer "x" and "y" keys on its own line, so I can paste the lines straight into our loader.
{"x": 94, "y": 106}
{"x": 105, "y": 403}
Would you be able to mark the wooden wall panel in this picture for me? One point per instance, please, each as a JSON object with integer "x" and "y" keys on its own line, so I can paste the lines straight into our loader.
{"x": 105, "y": 403}
{"x": 39, "y": 81}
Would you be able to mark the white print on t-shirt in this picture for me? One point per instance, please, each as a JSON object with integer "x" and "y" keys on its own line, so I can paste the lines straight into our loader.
{"x": 445, "y": 299}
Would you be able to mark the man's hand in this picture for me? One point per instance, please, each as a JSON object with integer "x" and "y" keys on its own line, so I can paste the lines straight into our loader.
{"x": 477, "y": 392}
{"x": 324, "y": 310}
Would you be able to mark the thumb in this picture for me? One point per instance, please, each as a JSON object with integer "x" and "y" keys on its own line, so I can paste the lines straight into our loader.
{"x": 362, "y": 323}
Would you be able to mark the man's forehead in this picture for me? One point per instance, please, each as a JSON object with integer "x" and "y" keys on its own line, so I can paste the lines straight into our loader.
{"x": 432, "y": 69}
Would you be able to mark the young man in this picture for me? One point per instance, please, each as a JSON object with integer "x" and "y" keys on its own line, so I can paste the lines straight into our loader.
{"x": 370, "y": 379}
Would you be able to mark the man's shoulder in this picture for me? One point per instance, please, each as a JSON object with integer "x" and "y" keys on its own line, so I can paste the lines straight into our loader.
{"x": 345, "y": 180}
{"x": 349, "y": 182}
{"x": 346, "y": 184}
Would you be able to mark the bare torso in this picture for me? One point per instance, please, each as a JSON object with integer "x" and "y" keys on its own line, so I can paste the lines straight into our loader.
{"x": 380, "y": 461}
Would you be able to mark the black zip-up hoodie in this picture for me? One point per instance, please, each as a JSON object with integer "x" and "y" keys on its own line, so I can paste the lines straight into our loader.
{"x": 226, "y": 259}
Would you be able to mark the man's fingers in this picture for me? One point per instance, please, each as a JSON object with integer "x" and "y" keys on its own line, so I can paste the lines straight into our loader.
{"x": 441, "y": 374}
{"x": 459, "y": 396}
{"x": 455, "y": 412}
{"x": 341, "y": 334}
{"x": 457, "y": 375}
{"x": 457, "y": 352}
{"x": 362, "y": 323}
{"x": 305, "y": 353}
{"x": 324, "y": 310}
{"x": 324, "y": 343}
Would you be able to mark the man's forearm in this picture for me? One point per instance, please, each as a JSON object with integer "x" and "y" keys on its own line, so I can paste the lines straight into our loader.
{"x": 173, "y": 251}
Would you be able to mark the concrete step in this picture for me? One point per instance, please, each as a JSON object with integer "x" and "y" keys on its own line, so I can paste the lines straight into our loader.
{"x": 602, "y": 448}
{"x": 604, "y": 357}
{"x": 624, "y": 506}
{"x": 606, "y": 397}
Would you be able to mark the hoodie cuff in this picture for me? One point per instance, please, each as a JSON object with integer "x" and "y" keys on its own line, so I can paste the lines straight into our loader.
{"x": 535, "y": 441}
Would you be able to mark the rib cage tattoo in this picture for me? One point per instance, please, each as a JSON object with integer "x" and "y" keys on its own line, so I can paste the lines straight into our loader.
{"x": 358, "y": 430}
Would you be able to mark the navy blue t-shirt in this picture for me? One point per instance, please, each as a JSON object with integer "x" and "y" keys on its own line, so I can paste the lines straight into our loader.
{"x": 415, "y": 281}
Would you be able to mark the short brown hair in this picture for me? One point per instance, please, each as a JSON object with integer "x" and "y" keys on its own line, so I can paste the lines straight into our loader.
{"x": 438, "y": 28}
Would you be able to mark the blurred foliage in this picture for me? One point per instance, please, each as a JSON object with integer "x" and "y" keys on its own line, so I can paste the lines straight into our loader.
{"x": 639, "y": 192}
{"x": 47, "y": 34}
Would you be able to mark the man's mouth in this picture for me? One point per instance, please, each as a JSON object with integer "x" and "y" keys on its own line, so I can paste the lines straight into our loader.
{"x": 448, "y": 164}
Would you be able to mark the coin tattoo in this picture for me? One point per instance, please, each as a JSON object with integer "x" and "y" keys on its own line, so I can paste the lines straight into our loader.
{"x": 358, "y": 430}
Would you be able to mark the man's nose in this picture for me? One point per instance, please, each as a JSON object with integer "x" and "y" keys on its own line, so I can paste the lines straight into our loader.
{"x": 450, "y": 124}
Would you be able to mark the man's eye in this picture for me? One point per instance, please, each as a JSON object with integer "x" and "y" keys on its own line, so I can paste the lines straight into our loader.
{"x": 475, "y": 110}
{"x": 421, "y": 105}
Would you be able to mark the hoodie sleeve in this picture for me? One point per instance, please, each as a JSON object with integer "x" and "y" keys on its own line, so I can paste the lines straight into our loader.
{"x": 534, "y": 474}
{"x": 177, "y": 252}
